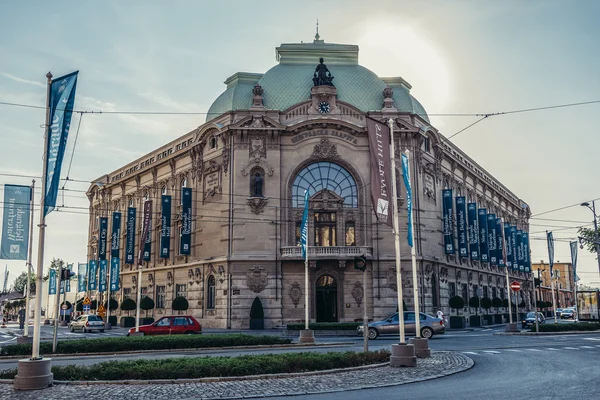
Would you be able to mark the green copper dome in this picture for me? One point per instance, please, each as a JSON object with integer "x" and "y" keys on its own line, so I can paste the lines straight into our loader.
{"x": 290, "y": 82}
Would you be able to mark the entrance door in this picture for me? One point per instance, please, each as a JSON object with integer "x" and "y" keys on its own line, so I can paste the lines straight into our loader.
{"x": 326, "y": 299}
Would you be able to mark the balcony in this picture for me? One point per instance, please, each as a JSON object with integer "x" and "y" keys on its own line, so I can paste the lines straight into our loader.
{"x": 323, "y": 252}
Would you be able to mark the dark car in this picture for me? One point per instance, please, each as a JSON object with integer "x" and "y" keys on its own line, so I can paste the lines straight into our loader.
{"x": 529, "y": 319}
{"x": 390, "y": 326}
{"x": 171, "y": 325}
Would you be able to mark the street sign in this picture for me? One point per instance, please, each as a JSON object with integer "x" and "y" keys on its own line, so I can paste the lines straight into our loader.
{"x": 86, "y": 308}
{"x": 100, "y": 309}
{"x": 515, "y": 286}
{"x": 65, "y": 307}
{"x": 86, "y": 301}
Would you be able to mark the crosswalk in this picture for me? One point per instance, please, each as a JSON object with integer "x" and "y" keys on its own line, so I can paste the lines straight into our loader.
{"x": 532, "y": 350}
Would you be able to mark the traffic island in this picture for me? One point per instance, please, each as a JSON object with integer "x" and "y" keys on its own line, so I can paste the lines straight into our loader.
{"x": 307, "y": 336}
{"x": 421, "y": 347}
{"x": 403, "y": 355}
{"x": 511, "y": 327}
{"x": 33, "y": 374}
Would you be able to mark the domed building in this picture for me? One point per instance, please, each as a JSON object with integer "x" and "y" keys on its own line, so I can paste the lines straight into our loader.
{"x": 228, "y": 199}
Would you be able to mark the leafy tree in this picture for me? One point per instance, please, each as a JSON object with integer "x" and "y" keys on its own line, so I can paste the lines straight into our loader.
{"x": 456, "y": 303}
{"x": 181, "y": 304}
{"x": 588, "y": 237}
{"x": 113, "y": 304}
{"x": 474, "y": 302}
{"x": 497, "y": 302}
{"x": 21, "y": 281}
{"x": 522, "y": 304}
{"x": 504, "y": 302}
{"x": 146, "y": 304}
{"x": 128, "y": 305}
{"x": 486, "y": 304}
{"x": 94, "y": 305}
{"x": 79, "y": 306}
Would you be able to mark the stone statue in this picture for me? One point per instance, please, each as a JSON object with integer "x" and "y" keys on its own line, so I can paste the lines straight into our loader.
{"x": 258, "y": 185}
{"x": 322, "y": 76}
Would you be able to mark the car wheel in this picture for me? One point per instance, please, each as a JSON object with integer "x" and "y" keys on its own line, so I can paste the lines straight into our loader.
{"x": 373, "y": 333}
{"x": 71, "y": 328}
{"x": 83, "y": 330}
{"x": 426, "y": 332}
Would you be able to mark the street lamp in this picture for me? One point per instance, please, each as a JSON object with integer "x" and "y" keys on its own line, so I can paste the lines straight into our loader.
{"x": 593, "y": 209}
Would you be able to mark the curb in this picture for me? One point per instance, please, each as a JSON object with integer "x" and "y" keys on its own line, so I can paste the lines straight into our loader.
{"x": 116, "y": 353}
{"x": 546, "y": 333}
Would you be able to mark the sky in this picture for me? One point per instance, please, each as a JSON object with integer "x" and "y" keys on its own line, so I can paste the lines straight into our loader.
{"x": 459, "y": 56}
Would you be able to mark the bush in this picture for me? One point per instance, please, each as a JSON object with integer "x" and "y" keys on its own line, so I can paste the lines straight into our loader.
{"x": 132, "y": 343}
{"x": 474, "y": 302}
{"x": 456, "y": 302}
{"x": 94, "y": 305}
{"x": 79, "y": 306}
{"x": 128, "y": 305}
{"x": 180, "y": 304}
{"x": 112, "y": 320}
{"x": 326, "y": 326}
{"x": 113, "y": 304}
{"x": 504, "y": 302}
{"x": 146, "y": 304}
{"x": 486, "y": 303}
{"x": 497, "y": 302}
{"x": 202, "y": 367}
{"x": 522, "y": 304}
{"x": 127, "y": 322}
{"x": 568, "y": 327}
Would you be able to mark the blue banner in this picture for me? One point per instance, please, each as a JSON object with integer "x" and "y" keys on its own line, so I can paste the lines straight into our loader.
{"x": 102, "y": 276}
{"x": 491, "y": 221}
{"x": 483, "y": 235}
{"x": 93, "y": 275}
{"x": 515, "y": 248}
{"x": 520, "y": 256}
{"x": 130, "y": 236}
{"x": 500, "y": 243}
{"x": 186, "y": 221}
{"x": 103, "y": 238}
{"x": 304, "y": 228}
{"x": 473, "y": 231}
{"x": 447, "y": 221}
{"x": 526, "y": 261}
{"x": 15, "y": 225}
{"x": 550, "y": 240}
{"x": 165, "y": 232}
{"x": 81, "y": 277}
{"x": 114, "y": 274}
{"x": 115, "y": 241}
{"x": 508, "y": 245}
{"x": 148, "y": 237}
{"x": 62, "y": 99}
{"x": 461, "y": 226}
{"x": 52, "y": 281}
{"x": 406, "y": 175}
{"x": 68, "y": 281}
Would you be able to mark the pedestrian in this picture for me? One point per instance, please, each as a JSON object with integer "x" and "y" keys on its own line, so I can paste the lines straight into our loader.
{"x": 21, "y": 318}
{"x": 440, "y": 314}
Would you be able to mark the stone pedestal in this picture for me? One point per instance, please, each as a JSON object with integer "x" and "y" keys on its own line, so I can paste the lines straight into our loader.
{"x": 24, "y": 339}
{"x": 307, "y": 336}
{"x": 421, "y": 347}
{"x": 511, "y": 328}
{"x": 403, "y": 355}
{"x": 33, "y": 374}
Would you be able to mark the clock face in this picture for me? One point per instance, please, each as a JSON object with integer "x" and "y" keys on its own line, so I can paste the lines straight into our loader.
{"x": 324, "y": 107}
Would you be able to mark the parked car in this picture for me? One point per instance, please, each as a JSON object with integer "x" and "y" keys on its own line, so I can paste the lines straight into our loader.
{"x": 529, "y": 319}
{"x": 171, "y": 325}
{"x": 87, "y": 323}
{"x": 559, "y": 312}
{"x": 567, "y": 313}
{"x": 390, "y": 326}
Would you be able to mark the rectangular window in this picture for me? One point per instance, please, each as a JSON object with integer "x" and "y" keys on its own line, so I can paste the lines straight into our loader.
{"x": 465, "y": 292}
{"x": 325, "y": 229}
{"x": 298, "y": 233}
{"x": 350, "y": 234}
{"x": 126, "y": 293}
{"x": 485, "y": 291}
{"x": 160, "y": 297}
{"x": 494, "y": 293}
{"x": 181, "y": 290}
{"x": 475, "y": 292}
{"x": 144, "y": 291}
{"x": 502, "y": 293}
{"x": 451, "y": 289}
{"x": 426, "y": 144}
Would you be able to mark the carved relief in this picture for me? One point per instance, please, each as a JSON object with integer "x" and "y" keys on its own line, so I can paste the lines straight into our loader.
{"x": 358, "y": 293}
{"x": 169, "y": 278}
{"x": 257, "y": 204}
{"x": 295, "y": 294}
{"x": 212, "y": 180}
{"x": 458, "y": 276}
{"x": 429, "y": 185}
{"x": 256, "y": 278}
{"x": 325, "y": 149}
{"x": 258, "y": 147}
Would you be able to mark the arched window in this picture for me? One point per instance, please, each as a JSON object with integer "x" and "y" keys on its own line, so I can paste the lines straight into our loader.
{"x": 210, "y": 293}
{"x": 324, "y": 175}
{"x": 164, "y": 189}
{"x": 434, "y": 291}
{"x": 212, "y": 143}
{"x": 257, "y": 182}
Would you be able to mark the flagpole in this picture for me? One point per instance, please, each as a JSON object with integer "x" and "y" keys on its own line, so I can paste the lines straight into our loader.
{"x": 549, "y": 240}
{"x": 413, "y": 254}
{"x": 306, "y": 335}
{"x": 31, "y": 202}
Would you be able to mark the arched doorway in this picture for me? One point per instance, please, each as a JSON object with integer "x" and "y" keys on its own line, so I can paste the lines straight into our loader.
{"x": 326, "y": 299}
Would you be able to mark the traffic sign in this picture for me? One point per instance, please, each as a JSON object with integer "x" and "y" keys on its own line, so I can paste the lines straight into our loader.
{"x": 101, "y": 308}
{"x": 65, "y": 307}
{"x": 86, "y": 308}
{"x": 515, "y": 286}
{"x": 86, "y": 301}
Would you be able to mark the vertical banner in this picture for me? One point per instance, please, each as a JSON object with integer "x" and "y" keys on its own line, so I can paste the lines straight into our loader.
{"x": 115, "y": 263}
{"x": 165, "y": 232}
{"x": 500, "y": 243}
{"x": 491, "y": 222}
{"x": 103, "y": 238}
{"x": 406, "y": 175}
{"x": 473, "y": 231}
{"x": 461, "y": 226}
{"x": 550, "y": 240}
{"x": 520, "y": 256}
{"x": 526, "y": 260}
{"x": 508, "y": 244}
{"x": 61, "y": 101}
{"x": 52, "y": 281}
{"x": 130, "y": 235}
{"x": 448, "y": 226}
{"x": 186, "y": 221}
{"x": 68, "y": 281}
{"x": 381, "y": 172}
{"x": 81, "y": 277}
{"x": 102, "y": 276}
{"x": 515, "y": 249}
{"x": 148, "y": 237}
{"x": 145, "y": 232}
{"x": 93, "y": 275}
{"x": 483, "y": 234}
{"x": 574, "y": 260}
{"x": 304, "y": 228}
{"x": 15, "y": 224}
{"x": 115, "y": 240}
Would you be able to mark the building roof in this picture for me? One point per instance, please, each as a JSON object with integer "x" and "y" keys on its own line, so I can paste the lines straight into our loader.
{"x": 289, "y": 82}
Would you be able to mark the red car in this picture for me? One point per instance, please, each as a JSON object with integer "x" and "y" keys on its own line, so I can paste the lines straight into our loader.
{"x": 171, "y": 325}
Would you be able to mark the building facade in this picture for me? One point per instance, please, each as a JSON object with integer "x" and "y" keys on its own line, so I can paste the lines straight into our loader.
{"x": 268, "y": 138}
{"x": 564, "y": 283}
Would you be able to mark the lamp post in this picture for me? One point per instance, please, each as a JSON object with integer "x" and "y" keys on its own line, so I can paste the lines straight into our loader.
{"x": 593, "y": 209}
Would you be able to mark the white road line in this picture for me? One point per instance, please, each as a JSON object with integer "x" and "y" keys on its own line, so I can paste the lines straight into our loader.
{"x": 6, "y": 336}
{"x": 514, "y": 350}
{"x": 470, "y": 352}
{"x": 586, "y": 347}
{"x": 551, "y": 348}
{"x": 571, "y": 348}
{"x": 533, "y": 349}
{"x": 591, "y": 338}
{"x": 598, "y": 345}
{"x": 491, "y": 351}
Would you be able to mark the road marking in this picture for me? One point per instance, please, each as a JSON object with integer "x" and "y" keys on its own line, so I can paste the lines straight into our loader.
{"x": 491, "y": 351}
{"x": 6, "y": 336}
{"x": 571, "y": 348}
{"x": 514, "y": 350}
{"x": 533, "y": 349}
{"x": 552, "y": 348}
{"x": 486, "y": 330}
{"x": 586, "y": 347}
{"x": 470, "y": 352}
{"x": 591, "y": 338}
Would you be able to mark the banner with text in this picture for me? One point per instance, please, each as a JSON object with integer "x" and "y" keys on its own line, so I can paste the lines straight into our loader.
{"x": 15, "y": 224}
{"x": 500, "y": 243}
{"x": 115, "y": 241}
{"x": 515, "y": 249}
{"x": 186, "y": 221}
{"x": 473, "y": 231}
{"x": 102, "y": 276}
{"x": 573, "y": 246}
{"x": 550, "y": 241}
{"x": 447, "y": 221}
{"x": 526, "y": 261}
{"x": 461, "y": 226}
{"x": 92, "y": 275}
{"x": 483, "y": 235}
{"x": 52, "y": 281}
{"x": 165, "y": 232}
{"x": 520, "y": 257}
{"x": 508, "y": 245}
{"x": 61, "y": 101}
{"x": 491, "y": 221}
{"x": 103, "y": 238}
{"x": 144, "y": 250}
{"x": 81, "y": 277}
{"x": 68, "y": 281}
{"x": 130, "y": 235}
{"x": 381, "y": 172}
{"x": 406, "y": 175}
{"x": 115, "y": 263}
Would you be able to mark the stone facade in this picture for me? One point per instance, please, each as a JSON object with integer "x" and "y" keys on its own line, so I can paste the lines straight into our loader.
{"x": 242, "y": 167}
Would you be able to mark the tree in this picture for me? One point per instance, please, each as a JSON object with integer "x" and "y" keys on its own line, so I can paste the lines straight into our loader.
{"x": 180, "y": 304}
{"x": 20, "y": 282}
{"x": 522, "y": 304}
{"x": 94, "y": 305}
{"x": 474, "y": 303}
{"x": 486, "y": 304}
{"x": 505, "y": 303}
{"x": 497, "y": 302}
{"x": 456, "y": 303}
{"x": 146, "y": 304}
{"x": 68, "y": 303}
{"x": 113, "y": 304}
{"x": 588, "y": 237}
{"x": 128, "y": 305}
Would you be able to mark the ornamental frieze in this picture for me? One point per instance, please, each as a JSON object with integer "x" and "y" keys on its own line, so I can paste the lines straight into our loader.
{"x": 325, "y": 133}
{"x": 256, "y": 278}
{"x": 295, "y": 294}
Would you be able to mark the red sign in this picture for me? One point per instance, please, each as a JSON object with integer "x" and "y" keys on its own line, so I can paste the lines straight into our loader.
{"x": 515, "y": 286}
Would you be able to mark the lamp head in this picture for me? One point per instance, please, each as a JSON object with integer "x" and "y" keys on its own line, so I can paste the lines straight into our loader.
{"x": 585, "y": 204}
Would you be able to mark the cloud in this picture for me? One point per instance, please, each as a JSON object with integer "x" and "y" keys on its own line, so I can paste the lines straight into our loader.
{"x": 21, "y": 80}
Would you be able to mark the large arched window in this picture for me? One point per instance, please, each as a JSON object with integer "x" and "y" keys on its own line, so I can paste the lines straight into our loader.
{"x": 324, "y": 175}
{"x": 210, "y": 293}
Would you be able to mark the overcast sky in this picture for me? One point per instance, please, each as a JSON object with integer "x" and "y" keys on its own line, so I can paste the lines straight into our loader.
{"x": 459, "y": 56}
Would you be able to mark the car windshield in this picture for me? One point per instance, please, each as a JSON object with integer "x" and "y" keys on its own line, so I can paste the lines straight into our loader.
{"x": 530, "y": 315}
{"x": 94, "y": 318}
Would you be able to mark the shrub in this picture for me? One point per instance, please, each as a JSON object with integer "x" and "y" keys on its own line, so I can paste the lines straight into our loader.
{"x": 497, "y": 302}
{"x": 474, "y": 302}
{"x": 456, "y": 302}
{"x": 180, "y": 304}
{"x": 202, "y": 367}
{"x": 128, "y": 305}
{"x": 146, "y": 304}
{"x": 79, "y": 306}
{"x": 113, "y": 304}
{"x": 94, "y": 305}
{"x": 486, "y": 303}
{"x": 504, "y": 302}
{"x": 326, "y": 326}
{"x": 568, "y": 327}
{"x": 256, "y": 311}
{"x": 132, "y": 343}
{"x": 522, "y": 304}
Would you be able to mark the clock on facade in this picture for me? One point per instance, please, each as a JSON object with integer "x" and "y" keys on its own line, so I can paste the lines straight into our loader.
{"x": 324, "y": 107}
